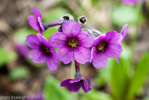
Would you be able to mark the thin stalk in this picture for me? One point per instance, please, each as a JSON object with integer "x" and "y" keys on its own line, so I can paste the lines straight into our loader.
{"x": 77, "y": 66}
{"x": 51, "y": 24}
{"x": 72, "y": 69}
{"x": 74, "y": 96}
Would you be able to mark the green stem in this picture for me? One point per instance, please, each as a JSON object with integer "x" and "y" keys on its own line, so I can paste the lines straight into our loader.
{"x": 72, "y": 69}
{"x": 74, "y": 96}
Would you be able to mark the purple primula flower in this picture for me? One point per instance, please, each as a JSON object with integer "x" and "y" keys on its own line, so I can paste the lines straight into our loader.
{"x": 42, "y": 51}
{"x": 75, "y": 84}
{"x": 72, "y": 43}
{"x": 36, "y": 22}
{"x": 107, "y": 45}
{"x": 131, "y": 2}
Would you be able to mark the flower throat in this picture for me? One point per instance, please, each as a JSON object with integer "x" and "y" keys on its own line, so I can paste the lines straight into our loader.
{"x": 72, "y": 42}
{"x": 101, "y": 46}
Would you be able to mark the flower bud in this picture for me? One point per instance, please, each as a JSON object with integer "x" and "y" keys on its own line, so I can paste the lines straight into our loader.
{"x": 82, "y": 20}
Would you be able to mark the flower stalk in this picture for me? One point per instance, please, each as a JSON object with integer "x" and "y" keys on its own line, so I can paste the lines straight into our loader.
{"x": 77, "y": 66}
{"x": 51, "y": 24}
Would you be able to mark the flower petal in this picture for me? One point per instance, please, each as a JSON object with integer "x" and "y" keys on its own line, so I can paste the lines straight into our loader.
{"x": 40, "y": 26}
{"x": 123, "y": 31}
{"x": 58, "y": 39}
{"x": 82, "y": 55}
{"x": 130, "y": 2}
{"x": 86, "y": 85}
{"x": 65, "y": 55}
{"x": 65, "y": 83}
{"x": 93, "y": 53}
{"x": 71, "y": 28}
{"x": 43, "y": 40}
{"x": 112, "y": 36}
{"x": 117, "y": 59}
{"x": 39, "y": 59}
{"x": 99, "y": 61}
{"x": 36, "y": 12}
{"x": 74, "y": 87}
{"x": 52, "y": 63}
{"x": 99, "y": 39}
{"x": 113, "y": 50}
{"x": 75, "y": 80}
{"x": 33, "y": 41}
{"x": 85, "y": 39}
{"x": 33, "y": 23}
{"x": 35, "y": 53}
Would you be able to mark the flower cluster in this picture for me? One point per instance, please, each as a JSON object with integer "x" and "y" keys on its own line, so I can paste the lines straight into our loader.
{"x": 74, "y": 43}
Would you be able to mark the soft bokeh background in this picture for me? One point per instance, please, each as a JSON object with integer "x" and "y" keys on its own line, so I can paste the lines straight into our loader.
{"x": 128, "y": 80}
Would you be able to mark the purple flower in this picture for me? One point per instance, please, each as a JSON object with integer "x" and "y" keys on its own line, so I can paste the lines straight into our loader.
{"x": 75, "y": 84}
{"x": 22, "y": 49}
{"x": 131, "y": 2}
{"x": 42, "y": 51}
{"x": 107, "y": 45}
{"x": 36, "y": 22}
{"x": 72, "y": 43}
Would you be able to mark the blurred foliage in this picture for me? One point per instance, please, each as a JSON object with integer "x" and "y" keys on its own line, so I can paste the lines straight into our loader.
{"x": 124, "y": 14}
{"x": 139, "y": 76}
{"x": 19, "y": 72}
{"x": 53, "y": 91}
{"x": 20, "y": 35}
{"x": 6, "y": 57}
{"x": 95, "y": 95}
{"x": 146, "y": 99}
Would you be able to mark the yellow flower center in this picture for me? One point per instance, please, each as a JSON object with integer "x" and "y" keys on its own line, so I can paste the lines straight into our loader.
{"x": 72, "y": 42}
{"x": 101, "y": 46}
{"x": 45, "y": 50}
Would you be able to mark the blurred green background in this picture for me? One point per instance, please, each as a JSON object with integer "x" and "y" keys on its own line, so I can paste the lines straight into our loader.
{"x": 128, "y": 80}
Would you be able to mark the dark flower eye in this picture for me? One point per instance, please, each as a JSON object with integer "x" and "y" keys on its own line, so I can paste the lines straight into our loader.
{"x": 82, "y": 20}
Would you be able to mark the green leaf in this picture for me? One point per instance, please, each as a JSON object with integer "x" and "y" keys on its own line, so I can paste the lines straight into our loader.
{"x": 118, "y": 83}
{"x": 139, "y": 76}
{"x": 50, "y": 31}
{"x": 20, "y": 72}
{"x": 6, "y": 57}
{"x": 120, "y": 73}
{"x": 53, "y": 91}
{"x": 124, "y": 14}
{"x": 104, "y": 74}
{"x": 95, "y": 95}
{"x": 20, "y": 35}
